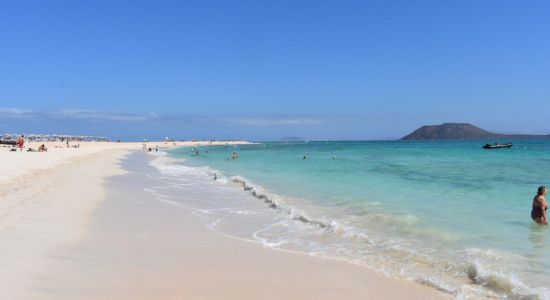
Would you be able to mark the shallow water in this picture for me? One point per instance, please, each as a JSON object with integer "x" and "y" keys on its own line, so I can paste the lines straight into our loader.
{"x": 447, "y": 213}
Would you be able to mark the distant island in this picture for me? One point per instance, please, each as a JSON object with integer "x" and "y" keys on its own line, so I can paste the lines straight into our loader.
{"x": 459, "y": 131}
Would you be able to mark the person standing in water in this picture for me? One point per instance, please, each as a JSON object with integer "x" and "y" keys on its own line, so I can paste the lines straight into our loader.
{"x": 540, "y": 205}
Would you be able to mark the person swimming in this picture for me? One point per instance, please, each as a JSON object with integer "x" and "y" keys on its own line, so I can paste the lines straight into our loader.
{"x": 540, "y": 205}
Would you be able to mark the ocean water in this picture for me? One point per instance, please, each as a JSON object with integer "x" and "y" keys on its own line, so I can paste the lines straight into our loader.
{"x": 448, "y": 214}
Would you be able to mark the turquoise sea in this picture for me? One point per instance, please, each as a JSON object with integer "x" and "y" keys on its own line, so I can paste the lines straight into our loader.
{"x": 448, "y": 214}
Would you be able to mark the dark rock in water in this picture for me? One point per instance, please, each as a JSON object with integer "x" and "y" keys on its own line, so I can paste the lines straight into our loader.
{"x": 460, "y": 131}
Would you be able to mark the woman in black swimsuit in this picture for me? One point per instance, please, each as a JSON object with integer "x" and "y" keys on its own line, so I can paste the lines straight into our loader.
{"x": 538, "y": 212}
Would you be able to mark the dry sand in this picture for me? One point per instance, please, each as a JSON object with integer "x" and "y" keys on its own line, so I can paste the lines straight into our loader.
{"x": 81, "y": 227}
{"x": 15, "y": 164}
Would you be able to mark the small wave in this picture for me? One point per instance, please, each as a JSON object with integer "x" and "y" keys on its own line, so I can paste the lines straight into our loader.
{"x": 264, "y": 241}
{"x": 489, "y": 269}
{"x": 243, "y": 212}
{"x": 174, "y": 166}
{"x": 276, "y": 203}
{"x": 215, "y": 223}
{"x": 436, "y": 284}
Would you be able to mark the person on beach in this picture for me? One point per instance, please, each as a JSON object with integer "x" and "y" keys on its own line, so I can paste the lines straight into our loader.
{"x": 42, "y": 148}
{"x": 540, "y": 205}
{"x": 21, "y": 142}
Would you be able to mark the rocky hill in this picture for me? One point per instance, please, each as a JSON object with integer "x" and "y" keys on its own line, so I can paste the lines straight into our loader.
{"x": 450, "y": 131}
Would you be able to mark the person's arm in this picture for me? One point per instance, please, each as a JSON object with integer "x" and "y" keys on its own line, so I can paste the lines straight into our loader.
{"x": 545, "y": 219}
{"x": 542, "y": 205}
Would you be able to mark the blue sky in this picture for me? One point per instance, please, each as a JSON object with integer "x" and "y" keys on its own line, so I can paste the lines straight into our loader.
{"x": 264, "y": 70}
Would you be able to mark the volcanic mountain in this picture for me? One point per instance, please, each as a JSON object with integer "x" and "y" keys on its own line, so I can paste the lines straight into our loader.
{"x": 459, "y": 131}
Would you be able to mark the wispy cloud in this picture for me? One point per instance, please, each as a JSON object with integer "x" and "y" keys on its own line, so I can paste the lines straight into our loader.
{"x": 76, "y": 114}
{"x": 93, "y": 115}
{"x": 268, "y": 121}
{"x": 86, "y": 115}
{"x": 14, "y": 113}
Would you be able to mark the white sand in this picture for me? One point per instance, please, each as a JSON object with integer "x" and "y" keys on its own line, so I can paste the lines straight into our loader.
{"x": 46, "y": 200}
{"x": 70, "y": 231}
{"x": 15, "y": 164}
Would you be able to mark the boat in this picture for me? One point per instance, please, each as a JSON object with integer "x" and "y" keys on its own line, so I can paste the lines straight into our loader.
{"x": 497, "y": 146}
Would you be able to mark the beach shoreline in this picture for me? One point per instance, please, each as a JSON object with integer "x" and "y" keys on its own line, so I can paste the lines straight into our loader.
{"x": 20, "y": 163}
{"x": 117, "y": 241}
